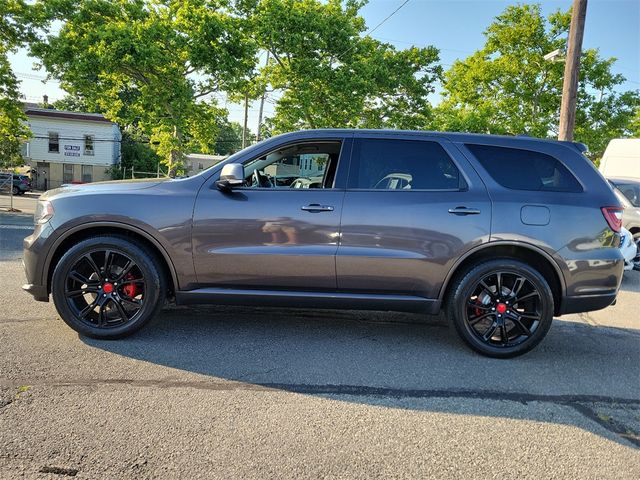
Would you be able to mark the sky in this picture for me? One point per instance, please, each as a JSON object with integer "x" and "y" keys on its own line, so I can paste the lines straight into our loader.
{"x": 453, "y": 26}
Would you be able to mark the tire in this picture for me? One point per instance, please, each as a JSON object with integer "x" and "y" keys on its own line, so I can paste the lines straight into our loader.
{"x": 15, "y": 190}
{"x": 501, "y": 322}
{"x": 100, "y": 307}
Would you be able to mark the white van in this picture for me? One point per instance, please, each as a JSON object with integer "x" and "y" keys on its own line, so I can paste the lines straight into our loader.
{"x": 621, "y": 158}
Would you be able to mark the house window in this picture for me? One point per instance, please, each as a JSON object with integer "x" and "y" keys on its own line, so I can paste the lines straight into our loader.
{"x": 54, "y": 143}
{"x": 87, "y": 173}
{"x": 200, "y": 166}
{"x": 67, "y": 173}
{"x": 88, "y": 144}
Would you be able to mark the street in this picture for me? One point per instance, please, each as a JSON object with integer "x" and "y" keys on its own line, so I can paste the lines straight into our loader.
{"x": 213, "y": 392}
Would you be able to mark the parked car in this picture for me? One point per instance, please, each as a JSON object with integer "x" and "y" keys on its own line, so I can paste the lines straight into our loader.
{"x": 621, "y": 158}
{"x": 19, "y": 185}
{"x": 307, "y": 182}
{"x": 628, "y": 192}
{"x": 502, "y": 233}
{"x": 629, "y": 250}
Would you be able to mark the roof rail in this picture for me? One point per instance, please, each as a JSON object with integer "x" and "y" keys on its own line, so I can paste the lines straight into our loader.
{"x": 581, "y": 147}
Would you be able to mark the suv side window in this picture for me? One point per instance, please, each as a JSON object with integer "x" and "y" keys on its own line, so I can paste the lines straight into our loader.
{"x": 519, "y": 169}
{"x": 303, "y": 165}
{"x": 395, "y": 164}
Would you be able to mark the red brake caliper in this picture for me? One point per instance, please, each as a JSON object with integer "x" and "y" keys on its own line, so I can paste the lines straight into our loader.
{"x": 130, "y": 289}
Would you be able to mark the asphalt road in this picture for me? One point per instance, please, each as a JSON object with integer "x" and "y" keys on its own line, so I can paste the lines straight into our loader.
{"x": 260, "y": 393}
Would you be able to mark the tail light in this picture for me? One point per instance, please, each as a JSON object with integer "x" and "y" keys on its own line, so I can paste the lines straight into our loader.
{"x": 613, "y": 216}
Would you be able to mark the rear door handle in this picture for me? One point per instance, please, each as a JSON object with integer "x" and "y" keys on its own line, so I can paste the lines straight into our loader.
{"x": 316, "y": 207}
{"x": 464, "y": 211}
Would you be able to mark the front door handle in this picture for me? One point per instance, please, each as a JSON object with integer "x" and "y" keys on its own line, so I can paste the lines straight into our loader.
{"x": 464, "y": 211}
{"x": 316, "y": 207}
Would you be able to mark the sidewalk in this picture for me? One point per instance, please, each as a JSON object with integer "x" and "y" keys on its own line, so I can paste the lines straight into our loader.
{"x": 25, "y": 203}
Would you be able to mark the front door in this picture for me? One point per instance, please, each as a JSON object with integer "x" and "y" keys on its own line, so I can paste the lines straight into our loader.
{"x": 281, "y": 229}
{"x": 42, "y": 176}
{"x": 413, "y": 207}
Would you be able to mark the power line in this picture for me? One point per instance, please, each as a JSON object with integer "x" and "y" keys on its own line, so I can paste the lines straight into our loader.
{"x": 371, "y": 30}
{"x": 387, "y": 18}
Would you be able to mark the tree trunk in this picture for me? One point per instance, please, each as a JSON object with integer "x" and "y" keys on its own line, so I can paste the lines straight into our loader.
{"x": 259, "y": 135}
{"x": 176, "y": 156}
{"x": 246, "y": 120}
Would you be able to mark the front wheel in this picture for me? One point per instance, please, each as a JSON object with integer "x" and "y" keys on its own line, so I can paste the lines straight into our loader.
{"x": 501, "y": 308}
{"x": 107, "y": 287}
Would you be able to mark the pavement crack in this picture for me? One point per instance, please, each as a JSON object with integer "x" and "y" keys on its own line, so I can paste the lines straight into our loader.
{"x": 327, "y": 389}
{"x": 608, "y": 423}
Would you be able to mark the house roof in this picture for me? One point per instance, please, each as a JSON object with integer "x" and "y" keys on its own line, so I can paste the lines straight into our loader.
{"x": 64, "y": 114}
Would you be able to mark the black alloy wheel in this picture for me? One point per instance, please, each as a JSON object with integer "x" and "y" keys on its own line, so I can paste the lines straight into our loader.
{"x": 501, "y": 308}
{"x": 504, "y": 309}
{"x": 105, "y": 289}
{"x": 108, "y": 287}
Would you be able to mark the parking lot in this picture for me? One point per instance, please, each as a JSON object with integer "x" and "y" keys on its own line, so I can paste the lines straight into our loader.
{"x": 254, "y": 393}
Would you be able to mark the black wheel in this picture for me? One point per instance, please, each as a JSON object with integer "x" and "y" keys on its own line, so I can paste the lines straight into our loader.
{"x": 107, "y": 287}
{"x": 501, "y": 308}
{"x": 15, "y": 190}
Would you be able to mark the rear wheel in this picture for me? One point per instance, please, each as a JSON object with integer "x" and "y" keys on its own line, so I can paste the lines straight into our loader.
{"x": 15, "y": 190}
{"x": 107, "y": 287}
{"x": 501, "y": 308}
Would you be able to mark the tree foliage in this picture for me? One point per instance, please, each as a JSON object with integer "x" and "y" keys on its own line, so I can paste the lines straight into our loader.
{"x": 16, "y": 27}
{"x": 151, "y": 64}
{"x": 331, "y": 76}
{"x": 136, "y": 152}
{"x": 507, "y": 87}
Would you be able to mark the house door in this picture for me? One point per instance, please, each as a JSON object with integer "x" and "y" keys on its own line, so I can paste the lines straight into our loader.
{"x": 42, "y": 176}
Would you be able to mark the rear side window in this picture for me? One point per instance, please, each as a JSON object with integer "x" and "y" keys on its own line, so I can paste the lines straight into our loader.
{"x": 388, "y": 164}
{"x": 524, "y": 169}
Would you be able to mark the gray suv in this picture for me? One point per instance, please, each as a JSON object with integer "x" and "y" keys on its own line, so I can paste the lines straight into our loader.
{"x": 502, "y": 233}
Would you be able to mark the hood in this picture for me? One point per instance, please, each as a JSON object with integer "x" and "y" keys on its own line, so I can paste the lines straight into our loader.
{"x": 104, "y": 187}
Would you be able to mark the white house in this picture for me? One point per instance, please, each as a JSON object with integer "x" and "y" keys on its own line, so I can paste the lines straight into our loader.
{"x": 70, "y": 147}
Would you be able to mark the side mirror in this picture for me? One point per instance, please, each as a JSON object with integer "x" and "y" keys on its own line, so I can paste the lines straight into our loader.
{"x": 232, "y": 175}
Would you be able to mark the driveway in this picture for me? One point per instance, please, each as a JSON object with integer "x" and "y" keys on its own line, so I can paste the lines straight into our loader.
{"x": 254, "y": 393}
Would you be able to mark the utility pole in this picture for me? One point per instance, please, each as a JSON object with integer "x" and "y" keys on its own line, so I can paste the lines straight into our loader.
{"x": 259, "y": 137}
{"x": 572, "y": 71}
{"x": 246, "y": 119}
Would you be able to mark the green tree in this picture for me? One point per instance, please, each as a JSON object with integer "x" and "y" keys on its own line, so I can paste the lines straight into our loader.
{"x": 328, "y": 75}
{"x": 507, "y": 87}
{"x": 230, "y": 138}
{"x": 152, "y": 64}
{"x": 15, "y": 29}
{"x": 74, "y": 103}
{"x": 136, "y": 153}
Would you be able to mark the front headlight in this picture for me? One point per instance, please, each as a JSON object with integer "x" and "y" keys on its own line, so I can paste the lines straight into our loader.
{"x": 44, "y": 212}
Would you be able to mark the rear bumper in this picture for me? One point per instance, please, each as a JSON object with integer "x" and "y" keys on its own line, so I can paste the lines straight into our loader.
{"x": 586, "y": 303}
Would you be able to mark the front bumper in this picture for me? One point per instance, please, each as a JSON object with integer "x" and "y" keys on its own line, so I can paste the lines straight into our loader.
{"x": 35, "y": 248}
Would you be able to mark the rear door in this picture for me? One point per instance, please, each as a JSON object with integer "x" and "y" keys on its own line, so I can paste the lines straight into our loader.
{"x": 413, "y": 206}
